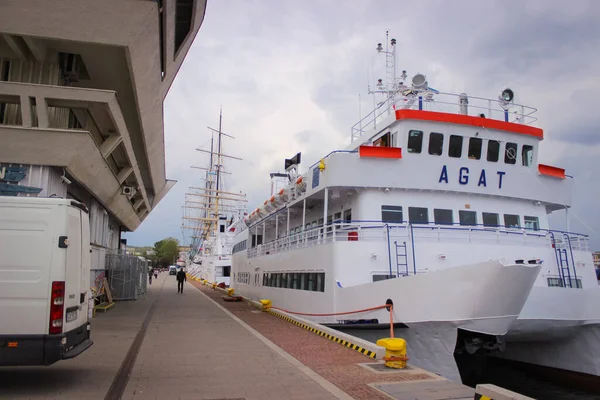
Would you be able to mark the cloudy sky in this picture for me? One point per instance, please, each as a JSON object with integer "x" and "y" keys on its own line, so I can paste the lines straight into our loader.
{"x": 288, "y": 75}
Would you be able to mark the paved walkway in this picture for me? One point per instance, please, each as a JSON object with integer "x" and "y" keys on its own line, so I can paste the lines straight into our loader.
{"x": 192, "y": 349}
{"x": 195, "y": 350}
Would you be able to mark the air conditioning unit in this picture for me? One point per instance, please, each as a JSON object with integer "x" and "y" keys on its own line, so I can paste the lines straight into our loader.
{"x": 128, "y": 191}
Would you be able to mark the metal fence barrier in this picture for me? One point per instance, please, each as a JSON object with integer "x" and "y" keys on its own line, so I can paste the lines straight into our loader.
{"x": 127, "y": 276}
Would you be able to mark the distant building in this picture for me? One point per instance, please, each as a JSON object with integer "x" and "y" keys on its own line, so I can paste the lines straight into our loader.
{"x": 82, "y": 84}
{"x": 596, "y": 256}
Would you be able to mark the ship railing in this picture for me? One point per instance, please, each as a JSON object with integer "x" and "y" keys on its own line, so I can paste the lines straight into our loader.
{"x": 379, "y": 231}
{"x": 448, "y": 103}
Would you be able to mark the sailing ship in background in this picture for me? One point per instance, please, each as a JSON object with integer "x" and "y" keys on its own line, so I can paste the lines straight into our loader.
{"x": 211, "y": 213}
{"x": 440, "y": 205}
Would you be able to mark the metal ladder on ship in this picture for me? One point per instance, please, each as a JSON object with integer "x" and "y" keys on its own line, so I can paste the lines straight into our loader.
{"x": 401, "y": 254}
{"x": 563, "y": 254}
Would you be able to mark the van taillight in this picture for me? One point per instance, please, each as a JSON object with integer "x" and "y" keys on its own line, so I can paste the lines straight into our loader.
{"x": 57, "y": 305}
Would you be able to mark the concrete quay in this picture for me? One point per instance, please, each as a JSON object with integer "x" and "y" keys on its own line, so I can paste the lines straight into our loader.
{"x": 196, "y": 346}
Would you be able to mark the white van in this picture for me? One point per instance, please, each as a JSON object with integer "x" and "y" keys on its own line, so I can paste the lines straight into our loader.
{"x": 44, "y": 280}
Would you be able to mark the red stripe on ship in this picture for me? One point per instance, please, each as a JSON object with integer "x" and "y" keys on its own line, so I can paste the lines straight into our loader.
{"x": 461, "y": 119}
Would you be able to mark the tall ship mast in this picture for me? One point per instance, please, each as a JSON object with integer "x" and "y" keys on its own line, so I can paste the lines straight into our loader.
{"x": 210, "y": 213}
{"x": 440, "y": 206}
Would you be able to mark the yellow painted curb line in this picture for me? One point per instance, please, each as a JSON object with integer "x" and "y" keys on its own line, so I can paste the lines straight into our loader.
{"x": 343, "y": 342}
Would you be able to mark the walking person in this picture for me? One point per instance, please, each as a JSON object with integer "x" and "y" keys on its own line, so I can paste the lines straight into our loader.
{"x": 150, "y": 273}
{"x": 180, "y": 279}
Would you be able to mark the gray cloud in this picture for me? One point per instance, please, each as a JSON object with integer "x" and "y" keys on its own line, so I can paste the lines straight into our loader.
{"x": 288, "y": 76}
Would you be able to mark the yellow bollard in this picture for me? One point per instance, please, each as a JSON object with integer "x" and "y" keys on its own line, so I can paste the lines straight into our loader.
{"x": 266, "y": 304}
{"x": 214, "y": 285}
{"x": 395, "y": 352}
{"x": 230, "y": 291}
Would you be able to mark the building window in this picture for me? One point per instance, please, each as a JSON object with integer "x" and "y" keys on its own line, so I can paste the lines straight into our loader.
{"x": 183, "y": 21}
{"x": 532, "y": 223}
{"x": 493, "y": 150}
{"x": 467, "y": 217}
{"x": 510, "y": 155}
{"x": 490, "y": 219}
{"x": 391, "y": 214}
{"x": 443, "y": 217}
{"x": 527, "y": 155}
{"x": 415, "y": 141}
{"x": 161, "y": 36}
{"x": 418, "y": 215}
{"x": 455, "y": 148}
{"x": 511, "y": 221}
{"x": 436, "y": 143}
{"x": 475, "y": 145}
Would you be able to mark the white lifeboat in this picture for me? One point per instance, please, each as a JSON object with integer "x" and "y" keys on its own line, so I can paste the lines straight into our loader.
{"x": 301, "y": 184}
{"x": 268, "y": 206}
{"x": 261, "y": 212}
{"x": 281, "y": 198}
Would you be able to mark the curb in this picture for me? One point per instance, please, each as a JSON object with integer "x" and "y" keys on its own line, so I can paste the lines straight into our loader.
{"x": 362, "y": 346}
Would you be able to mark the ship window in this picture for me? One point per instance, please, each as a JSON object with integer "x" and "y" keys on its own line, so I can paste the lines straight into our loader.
{"x": 295, "y": 280}
{"x": 289, "y": 281}
{"x": 415, "y": 141}
{"x": 511, "y": 221}
{"x": 348, "y": 215}
{"x": 527, "y": 155}
{"x": 302, "y": 282}
{"x": 277, "y": 280}
{"x": 436, "y": 143}
{"x": 418, "y": 215}
{"x": 283, "y": 282}
{"x": 377, "y": 278}
{"x": 555, "y": 282}
{"x": 222, "y": 228}
{"x": 311, "y": 282}
{"x": 271, "y": 279}
{"x": 510, "y": 155}
{"x": 321, "y": 282}
{"x": 383, "y": 141}
{"x": 475, "y": 145}
{"x": 455, "y": 148}
{"x": 227, "y": 271}
{"x": 391, "y": 214}
{"x": 490, "y": 219}
{"x": 467, "y": 217}
{"x": 532, "y": 223}
{"x": 443, "y": 217}
{"x": 265, "y": 280}
{"x": 329, "y": 221}
{"x": 493, "y": 150}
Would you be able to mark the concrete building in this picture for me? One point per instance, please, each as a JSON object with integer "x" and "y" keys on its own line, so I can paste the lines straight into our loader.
{"x": 82, "y": 85}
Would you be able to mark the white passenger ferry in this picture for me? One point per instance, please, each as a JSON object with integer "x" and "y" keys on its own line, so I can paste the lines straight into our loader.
{"x": 440, "y": 205}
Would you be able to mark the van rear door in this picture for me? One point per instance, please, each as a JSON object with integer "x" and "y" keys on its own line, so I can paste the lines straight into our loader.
{"x": 76, "y": 282}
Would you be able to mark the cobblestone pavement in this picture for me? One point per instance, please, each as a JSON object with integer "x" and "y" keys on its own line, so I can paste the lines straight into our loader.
{"x": 332, "y": 361}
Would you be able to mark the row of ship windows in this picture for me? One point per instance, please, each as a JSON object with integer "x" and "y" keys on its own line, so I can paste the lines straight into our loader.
{"x": 475, "y": 149}
{"x": 239, "y": 247}
{"x": 420, "y": 215}
{"x": 558, "y": 282}
{"x": 311, "y": 281}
